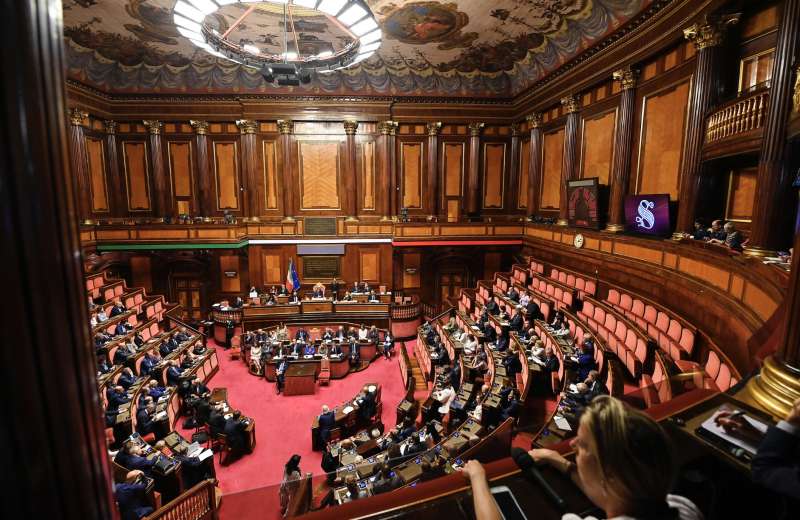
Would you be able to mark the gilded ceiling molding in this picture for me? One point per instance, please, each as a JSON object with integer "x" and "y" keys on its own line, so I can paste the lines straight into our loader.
{"x": 388, "y": 127}
{"x": 434, "y": 128}
{"x": 571, "y": 104}
{"x": 200, "y": 127}
{"x": 153, "y": 126}
{"x": 76, "y": 116}
{"x": 711, "y": 30}
{"x": 534, "y": 120}
{"x": 285, "y": 126}
{"x": 627, "y": 76}
{"x": 476, "y": 128}
{"x": 350, "y": 126}
{"x": 247, "y": 126}
{"x": 110, "y": 126}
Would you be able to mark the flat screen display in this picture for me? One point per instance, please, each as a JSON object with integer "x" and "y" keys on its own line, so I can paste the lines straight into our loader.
{"x": 583, "y": 203}
{"x": 647, "y": 214}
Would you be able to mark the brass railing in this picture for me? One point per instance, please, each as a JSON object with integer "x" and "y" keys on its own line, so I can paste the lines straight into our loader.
{"x": 738, "y": 116}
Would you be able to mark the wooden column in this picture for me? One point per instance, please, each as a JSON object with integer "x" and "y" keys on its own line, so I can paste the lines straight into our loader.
{"x": 285, "y": 127}
{"x": 707, "y": 37}
{"x": 388, "y": 130}
{"x": 52, "y": 430}
{"x": 771, "y": 217}
{"x": 474, "y": 169}
{"x": 114, "y": 178}
{"x": 350, "y": 176}
{"x": 511, "y": 193}
{"x": 79, "y": 161}
{"x": 534, "y": 163}
{"x": 623, "y": 139}
{"x": 432, "y": 168}
{"x": 202, "y": 168}
{"x": 247, "y": 129}
{"x": 569, "y": 166}
{"x": 162, "y": 191}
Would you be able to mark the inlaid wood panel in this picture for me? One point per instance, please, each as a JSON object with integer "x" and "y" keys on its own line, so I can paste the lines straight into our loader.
{"x": 369, "y": 265}
{"x": 741, "y": 195}
{"x": 597, "y": 154}
{"x": 552, "y": 152}
{"x": 661, "y": 142}
{"x": 97, "y": 174}
{"x": 180, "y": 167}
{"x": 273, "y": 274}
{"x": 411, "y": 270}
{"x": 134, "y": 156}
{"x": 368, "y": 180}
{"x": 141, "y": 272}
{"x": 453, "y": 168}
{"x": 522, "y": 186}
{"x": 226, "y": 173}
{"x": 411, "y": 170}
{"x": 270, "y": 168}
{"x": 230, "y": 264}
{"x": 494, "y": 165}
{"x": 319, "y": 175}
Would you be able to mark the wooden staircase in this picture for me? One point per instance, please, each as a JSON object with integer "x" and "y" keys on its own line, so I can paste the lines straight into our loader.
{"x": 419, "y": 379}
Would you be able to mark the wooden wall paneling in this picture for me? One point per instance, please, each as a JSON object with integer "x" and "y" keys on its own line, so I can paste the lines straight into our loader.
{"x": 136, "y": 167}
{"x": 453, "y": 159}
{"x": 202, "y": 168}
{"x": 226, "y": 174}
{"x": 367, "y": 168}
{"x": 369, "y": 265}
{"x": 269, "y": 169}
{"x": 253, "y": 189}
{"x": 96, "y": 164}
{"x": 78, "y": 162}
{"x": 433, "y": 186}
{"x": 521, "y": 201}
{"x": 661, "y": 140}
{"x": 289, "y": 187}
{"x": 512, "y": 172}
{"x": 180, "y": 168}
{"x": 741, "y": 194}
{"x": 141, "y": 275}
{"x": 273, "y": 271}
{"x": 552, "y": 153}
{"x": 494, "y": 167}
{"x": 350, "y": 173}
{"x": 412, "y": 265}
{"x": 230, "y": 264}
{"x": 319, "y": 166}
{"x": 597, "y": 145}
{"x": 161, "y": 196}
{"x": 535, "y": 163}
{"x": 492, "y": 262}
{"x": 114, "y": 176}
{"x": 411, "y": 173}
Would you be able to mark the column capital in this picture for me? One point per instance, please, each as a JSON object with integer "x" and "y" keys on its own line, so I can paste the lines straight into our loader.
{"x": 515, "y": 129}
{"x": 796, "y": 95}
{"x": 350, "y": 126}
{"x": 571, "y": 104}
{"x": 476, "y": 128}
{"x": 110, "y": 126}
{"x": 388, "y": 127}
{"x": 76, "y": 116}
{"x": 534, "y": 120}
{"x": 153, "y": 126}
{"x": 285, "y": 126}
{"x": 247, "y": 126}
{"x": 627, "y": 76}
{"x": 200, "y": 127}
{"x": 710, "y": 31}
{"x": 434, "y": 128}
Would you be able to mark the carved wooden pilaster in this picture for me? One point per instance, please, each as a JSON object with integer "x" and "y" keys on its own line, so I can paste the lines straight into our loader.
{"x": 511, "y": 193}
{"x": 79, "y": 162}
{"x": 474, "y": 169}
{"x": 350, "y": 176}
{"x": 250, "y": 173}
{"x": 623, "y": 139}
{"x": 534, "y": 163}
{"x": 286, "y": 127}
{"x": 388, "y": 130}
{"x": 162, "y": 206}
{"x": 202, "y": 165}
{"x": 707, "y": 37}
{"x": 114, "y": 175}
{"x": 569, "y": 164}
{"x": 432, "y": 195}
{"x": 771, "y": 221}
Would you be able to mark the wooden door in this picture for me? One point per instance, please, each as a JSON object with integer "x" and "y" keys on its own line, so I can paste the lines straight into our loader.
{"x": 189, "y": 293}
{"x": 449, "y": 283}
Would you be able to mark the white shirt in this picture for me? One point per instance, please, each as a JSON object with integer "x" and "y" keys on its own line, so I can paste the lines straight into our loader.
{"x": 470, "y": 347}
{"x": 686, "y": 511}
{"x": 362, "y": 333}
{"x": 254, "y": 294}
{"x": 445, "y": 396}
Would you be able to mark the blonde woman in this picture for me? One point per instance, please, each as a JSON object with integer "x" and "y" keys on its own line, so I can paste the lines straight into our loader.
{"x": 623, "y": 463}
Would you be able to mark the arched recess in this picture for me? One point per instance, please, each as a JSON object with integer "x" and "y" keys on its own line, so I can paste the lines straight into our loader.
{"x": 452, "y": 270}
{"x": 189, "y": 281}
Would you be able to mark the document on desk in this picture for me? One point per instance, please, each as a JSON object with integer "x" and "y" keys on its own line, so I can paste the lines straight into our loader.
{"x": 750, "y": 446}
{"x": 205, "y": 454}
{"x": 160, "y": 416}
{"x": 562, "y": 423}
{"x": 573, "y": 388}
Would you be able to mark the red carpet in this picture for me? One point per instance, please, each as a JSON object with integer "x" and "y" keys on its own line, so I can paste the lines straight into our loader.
{"x": 283, "y": 427}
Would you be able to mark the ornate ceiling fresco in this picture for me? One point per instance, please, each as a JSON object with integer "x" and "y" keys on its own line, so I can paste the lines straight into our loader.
{"x": 467, "y": 48}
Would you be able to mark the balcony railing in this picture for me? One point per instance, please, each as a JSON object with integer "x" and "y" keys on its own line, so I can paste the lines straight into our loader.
{"x": 738, "y": 116}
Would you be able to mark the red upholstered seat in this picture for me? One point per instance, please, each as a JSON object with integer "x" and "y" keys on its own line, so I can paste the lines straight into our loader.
{"x": 591, "y": 287}
{"x": 686, "y": 341}
{"x": 621, "y": 331}
{"x": 662, "y": 322}
{"x": 674, "y": 330}
{"x": 613, "y": 297}
{"x": 723, "y": 379}
{"x": 650, "y": 314}
{"x": 570, "y": 280}
{"x": 554, "y": 273}
{"x": 638, "y": 308}
{"x": 626, "y": 302}
{"x": 712, "y": 365}
{"x": 600, "y": 315}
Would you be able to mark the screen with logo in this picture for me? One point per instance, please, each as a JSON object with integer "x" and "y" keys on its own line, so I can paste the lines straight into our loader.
{"x": 583, "y": 203}
{"x": 647, "y": 214}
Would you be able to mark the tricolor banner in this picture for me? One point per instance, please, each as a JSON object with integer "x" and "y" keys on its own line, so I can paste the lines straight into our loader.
{"x": 292, "y": 280}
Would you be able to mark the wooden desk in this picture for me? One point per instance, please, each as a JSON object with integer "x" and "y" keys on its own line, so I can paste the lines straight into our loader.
{"x": 310, "y": 306}
{"x": 300, "y": 379}
{"x": 346, "y": 416}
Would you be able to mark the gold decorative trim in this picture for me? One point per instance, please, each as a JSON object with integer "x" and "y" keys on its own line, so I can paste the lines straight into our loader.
{"x": 571, "y": 104}
{"x": 388, "y": 127}
{"x": 615, "y": 228}
{"x": 200, "y": 127}
{"x": 285, "y": 126}
{"x": 535, "y": 120}
{"x": 434, "y": 128}
{"x": 759, "y": 252}
{"x": 153, "y": 126}
{"x": 76, "y": 116}
{"x": 562, "y": 222}
{"x": 110, "y": 127}
{"x": 475, "y": 129}
{"x": 247, "y": 126}
{"x": 627, "y": 76}
{"x": 710, "y": 31}
{"x": 350, "y": 126}
{"x": 776, "y": 387}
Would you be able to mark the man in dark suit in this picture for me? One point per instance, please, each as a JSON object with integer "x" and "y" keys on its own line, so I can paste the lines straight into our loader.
{"x": 513, "y": 365}
{"x": 130, "y": 457}
{"x": 120, "y": 329}
{"x": 193, "y": 470}
{"x": 144, "y": 419}
{"x": 777, "y": 464}
{"x": 235, "y": 434}
{"x": 301, "y": 334}
{"x": 489, "y": 333}
{"x": 327, "y": 421}
{"x": 512, "y": 408}
{"x": 596, "y": 387}
{"x": 103, "y": 365}
{"x": 503, "y": 341}
{"x": 492, "y": 307}
{"x": 116, "y": 396}
{"x": 335, "y": 350}
{"x": 182, "y": 335}
{"x": 516, "y": 321}
{"x": 533, "y": 311}
{"x": 131, "y": 497}
{"x": 148, "y": 363}
{"x": 216, "y": 420}
{"x": 512, "y": 294}
{"x": 355, "y": 353}
{"x": 294, "y": 298}
{"x": 173, "y": 374}
{"x": 455, "y": 376}
{"x": 117, "y": 309}
{"x": 126, "y": 379}
{"x": 138, "y": 340}
{"x": 335, "y": 288}
{"x": 366, "y": 405}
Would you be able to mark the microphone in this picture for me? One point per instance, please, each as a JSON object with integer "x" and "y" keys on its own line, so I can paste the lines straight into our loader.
{"x": 526, "y": 463}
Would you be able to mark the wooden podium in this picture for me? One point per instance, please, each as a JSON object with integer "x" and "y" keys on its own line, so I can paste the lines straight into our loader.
{"x": 300, "y": 379}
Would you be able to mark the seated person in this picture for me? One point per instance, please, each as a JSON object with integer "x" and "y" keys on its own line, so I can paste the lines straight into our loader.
{"x": 116, "y": 396}
{"x": 121, "y": 329}
{"x": 327, "y": 335}
{"x": 512, "y": 363}
{"x": 173, "y": 373}
{"x": 585, "y": 357}
{"x": 470, "y": 345}
{"x": 216, "y": 419}
{"x": 294, "y": 298}
{"x": 102, "y": 316}
{"x": 347, "y": 297}
{"x": 388, "y": 345}
{"x": 366, "y": 404}
{"x": 385, "y": 480}
{"x": 700, "y": 232}
{"x": 373, "y": 335}
{"x": 301, "y": 334}
{"x": 309, "y": 350}
{"x": 149, "y": 362}
{"x": 516, "y": 322}
{"x": 524, "y": 299}
{"x": 513, "y": 294}
{"x": 270, "y": 300}
{"x": 445, "y": 397}
{"x": 144, "y": 419}
{"x": 492, "y": 307}
{"x": 479, "y": 363}
{"x": 193, "y": 470}
{"x": 353, "y": 491}
{"x": 451, "y": 325}
{"x": 155, "y": 391}
{"x": 253, "y": 292}
{"x": 503, "y": 341}
{"x": 131, "y": 496}
{"x": 236, "y": 434}
{"x": 596, "y": 387}
{"x": 716, "y": 232}
{"x": 282, "y": 333}
{"x": 335, "y": 350}
{"x": 340, "y": 334}
{"x": 551, "y": 363}
{"x": 126, "y": 378}
{"x": 373, "y": 298}
{"x": 477, "y": 410}
{"x": 297, "y": 348}
{"x": 103, "y": 366}
{"x": 182, "y": 335}
{"x": 362, "y": 332}
{"x": 130, "y": 457}
{"x": 117, "y": 309}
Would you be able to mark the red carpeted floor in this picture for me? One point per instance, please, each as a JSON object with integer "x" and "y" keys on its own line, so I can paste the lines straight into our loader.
{"x": 283, "y": 427}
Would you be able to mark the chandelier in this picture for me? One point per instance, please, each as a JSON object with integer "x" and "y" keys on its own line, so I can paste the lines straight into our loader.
{"x": 353, "y": 20}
